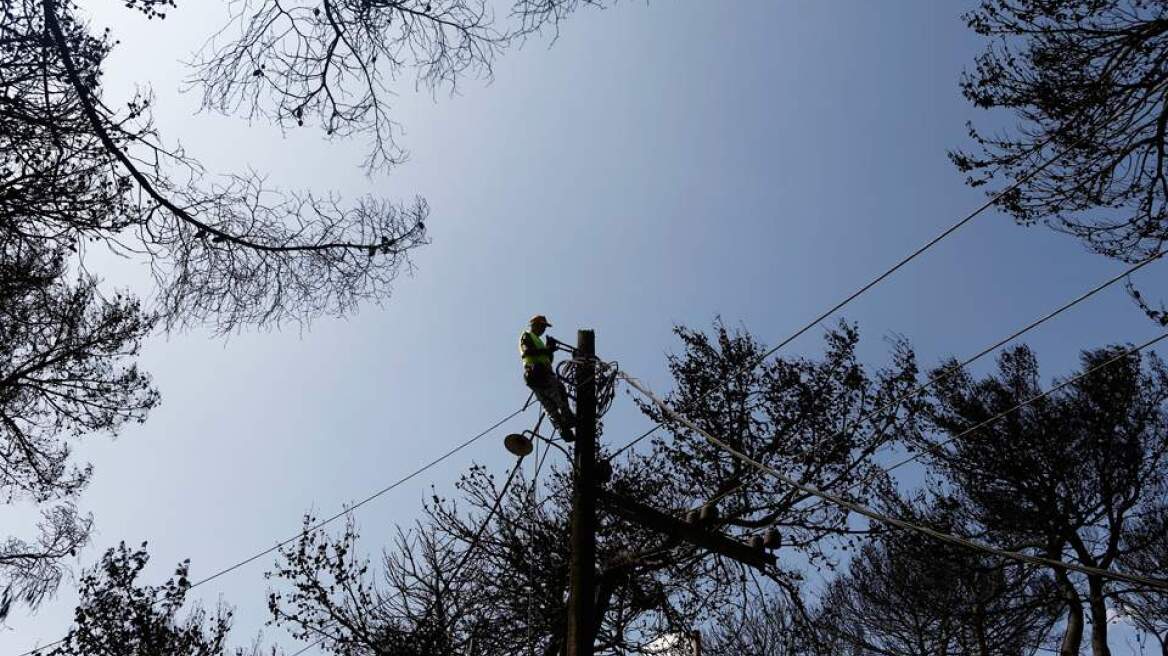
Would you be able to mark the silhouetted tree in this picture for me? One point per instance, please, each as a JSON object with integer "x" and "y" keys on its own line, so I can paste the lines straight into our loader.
{"x": 1086, "y": 78}
{"x": 801, "y": 416}
{"x": 1065, "y": 477}
{"x": 63, "y": 348}
{"x": 1145, "y": 551}
{"x": 75, "y": 173}
{"x": 764, "y": 625}
{"x": 511, "y": 594}
{"x": 907, "y": 594}
{"x": 80, "y": 171}
{"x": 119, "y": 616}
{"x": 330, "y": 62}
{"x": 231, "y": 251}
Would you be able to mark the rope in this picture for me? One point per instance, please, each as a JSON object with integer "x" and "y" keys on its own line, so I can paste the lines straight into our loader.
{"x": 872, "y": 514}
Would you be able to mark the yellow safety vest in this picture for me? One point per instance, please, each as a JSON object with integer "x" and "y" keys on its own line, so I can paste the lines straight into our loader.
{"x": 534, "y": 359}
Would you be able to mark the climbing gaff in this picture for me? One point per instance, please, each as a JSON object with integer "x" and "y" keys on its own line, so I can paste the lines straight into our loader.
{"x": 518, "y": 444}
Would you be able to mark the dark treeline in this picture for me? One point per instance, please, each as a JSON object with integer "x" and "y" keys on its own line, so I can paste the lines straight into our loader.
{"x": 1076, "y": 477}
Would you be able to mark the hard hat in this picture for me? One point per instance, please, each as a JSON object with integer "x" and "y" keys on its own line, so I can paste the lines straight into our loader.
{"x": 540, "y": 319}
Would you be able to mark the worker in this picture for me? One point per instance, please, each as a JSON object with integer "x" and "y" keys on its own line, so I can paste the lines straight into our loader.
{"x": 539, "y": 376}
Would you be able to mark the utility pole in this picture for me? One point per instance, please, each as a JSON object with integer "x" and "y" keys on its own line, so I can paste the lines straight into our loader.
{"x": 587, "y": 495}
{"x": 582, "y": 568}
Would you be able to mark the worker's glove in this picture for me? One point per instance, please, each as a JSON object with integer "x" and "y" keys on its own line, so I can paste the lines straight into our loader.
{"x": 552, "y": 343}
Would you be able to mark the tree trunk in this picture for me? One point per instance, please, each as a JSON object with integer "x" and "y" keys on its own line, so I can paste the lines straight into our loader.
{"x": 983, "y": 647}
{"x": 1073, "y": 637}
{"x": 1098, "y": 607}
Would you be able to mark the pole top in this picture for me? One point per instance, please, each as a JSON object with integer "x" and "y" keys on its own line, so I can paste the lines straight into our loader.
{"x": 586, "y": 340}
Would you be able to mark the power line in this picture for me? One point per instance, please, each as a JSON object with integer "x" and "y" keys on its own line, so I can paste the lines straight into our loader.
{"x": 872, "y": 514}
{"x": 983, "y": 424}
{"x": 993, "y": 200}
{"x": 916, "y": 391}
{"x": 1008, "y": 411}
{"x": 961, "y": 365}
{"x": 634, "y": 441}
{"x": 346, "y": 510}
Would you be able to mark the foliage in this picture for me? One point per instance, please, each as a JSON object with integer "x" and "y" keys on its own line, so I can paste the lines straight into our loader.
{"x": 118, "y": 616}
{"x": 509, "y": 596}
{"x": 1145, "y": 551}
{"x": 910, "y": 595}
{"x": 63, "y": 373}
{"x": 817, "y": 420}
{"x": 80, "y": 172}
{"x": 1065, "y": 476}
{"x": 331, "y": 62}
{"x": 1088, "y": 83}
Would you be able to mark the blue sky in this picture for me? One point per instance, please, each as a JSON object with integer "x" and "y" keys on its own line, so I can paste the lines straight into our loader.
{"x": 662, "y": 163}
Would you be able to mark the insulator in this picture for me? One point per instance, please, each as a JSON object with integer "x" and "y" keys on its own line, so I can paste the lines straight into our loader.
{"x": 771, "y": 539}
{"x": 709, "y": 513}
{"x": 691, "y": 517}
{"x": 756, "y": 542}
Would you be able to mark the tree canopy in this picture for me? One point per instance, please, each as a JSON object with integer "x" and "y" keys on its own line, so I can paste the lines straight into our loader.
{"x": 82, "y": 172}
{"x": 1087, "y": 83}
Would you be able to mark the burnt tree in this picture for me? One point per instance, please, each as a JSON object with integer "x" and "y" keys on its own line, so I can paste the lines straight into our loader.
{"x": 1066, "y": 476}
{"x": 1088, "y": 83}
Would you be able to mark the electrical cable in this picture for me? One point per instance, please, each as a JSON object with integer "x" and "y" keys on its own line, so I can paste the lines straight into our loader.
{"x": 1008, "y": 411}
{"x": 634, "y": 442}
{"x": 322, "y": 523}
{"x": 993, "y": 200}
{"x": 934, "y": 447}
{"x": 961, "y": 365}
